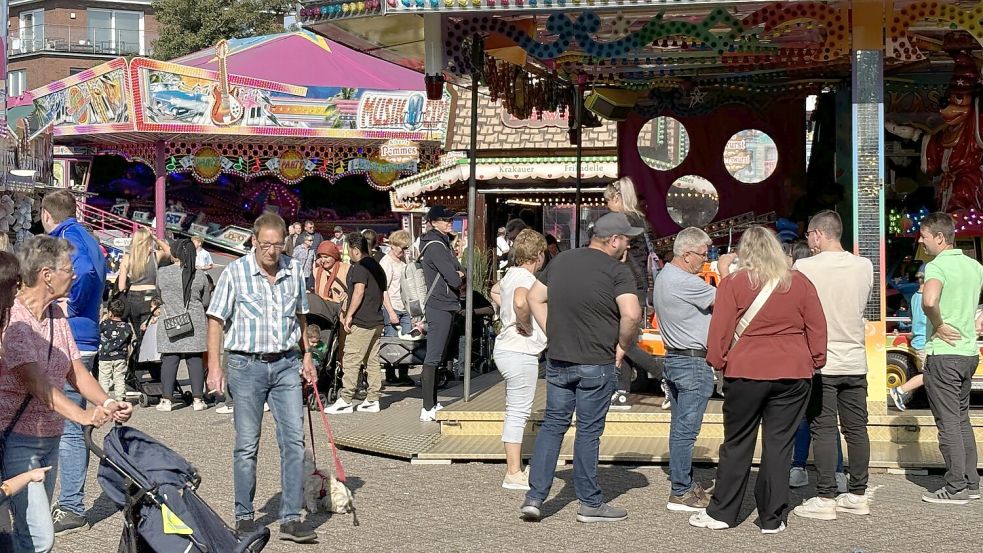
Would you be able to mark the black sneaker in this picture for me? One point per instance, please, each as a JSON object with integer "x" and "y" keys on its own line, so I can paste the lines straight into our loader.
{"x": 297, "y": 531}
{"x": 620, "y": 401}
{"x": 531, "y": 510}
{"x": 246, "y": 527}
{"x": 67, "y": 522}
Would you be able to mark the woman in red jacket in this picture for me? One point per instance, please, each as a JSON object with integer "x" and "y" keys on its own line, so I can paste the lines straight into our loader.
{"x": 767, "y": 376}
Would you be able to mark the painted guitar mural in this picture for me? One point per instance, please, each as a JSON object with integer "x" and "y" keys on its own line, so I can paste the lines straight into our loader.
{"x": 226, "y": 109}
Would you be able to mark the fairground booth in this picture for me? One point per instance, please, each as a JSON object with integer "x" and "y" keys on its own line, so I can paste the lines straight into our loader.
{"x": 728, "y": 113}
{"x": 292, "y": 123}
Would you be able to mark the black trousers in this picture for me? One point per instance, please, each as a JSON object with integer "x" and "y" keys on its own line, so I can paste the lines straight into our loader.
{"x": 777, "y": 406}
{"x": 948, "y": 382}
{"x": 842, "y": 399}
{"x": 168, "y": 373}
{"x": 438, "y": 332}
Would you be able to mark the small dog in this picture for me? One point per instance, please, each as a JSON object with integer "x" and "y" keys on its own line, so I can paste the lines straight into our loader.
{"x": 323, "y": 492}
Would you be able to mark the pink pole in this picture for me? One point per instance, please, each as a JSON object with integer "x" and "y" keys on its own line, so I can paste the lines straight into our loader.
{"x": 160, "y": 200}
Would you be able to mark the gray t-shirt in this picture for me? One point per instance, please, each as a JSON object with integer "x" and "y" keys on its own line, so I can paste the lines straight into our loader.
{"x": 682, "y": 303}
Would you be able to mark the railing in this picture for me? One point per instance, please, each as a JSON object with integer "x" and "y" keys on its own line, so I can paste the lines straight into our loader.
{"x": 106, "y": 222}
{"x": 79, "y": 40}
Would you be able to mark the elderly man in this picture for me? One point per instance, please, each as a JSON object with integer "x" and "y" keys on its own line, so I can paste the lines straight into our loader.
{"x": 683, "y": 303}
{"x": 587, "y": 297}
{"x": 260, "y": 298}
{"x": 839, "y": 389}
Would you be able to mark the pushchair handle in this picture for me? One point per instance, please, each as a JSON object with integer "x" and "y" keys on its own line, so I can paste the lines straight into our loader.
{"x": 90, "y": 443}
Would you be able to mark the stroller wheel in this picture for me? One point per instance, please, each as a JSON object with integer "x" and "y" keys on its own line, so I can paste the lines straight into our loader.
{"x": 187, "y": 397}
{"x": 144, "y": 400}
{"x": 443, "y": 378}
{"x": 312, "y": 401}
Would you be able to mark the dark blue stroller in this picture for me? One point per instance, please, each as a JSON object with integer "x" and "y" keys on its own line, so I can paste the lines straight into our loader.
{"x": 155, "y": 489}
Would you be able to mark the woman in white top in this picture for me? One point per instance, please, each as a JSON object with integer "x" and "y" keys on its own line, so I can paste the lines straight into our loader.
{"x": 393, "y": 264}
{"x": 517, "y": 349}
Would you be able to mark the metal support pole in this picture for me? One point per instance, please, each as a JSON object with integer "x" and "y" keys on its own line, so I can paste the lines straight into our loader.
{"x": 578, "y": 103}
{"x": 160, "y": 198}
{"x": 472, "y": 200}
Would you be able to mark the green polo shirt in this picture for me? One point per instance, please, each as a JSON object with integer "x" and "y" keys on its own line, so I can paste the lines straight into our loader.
{"x": 962, "y": 278}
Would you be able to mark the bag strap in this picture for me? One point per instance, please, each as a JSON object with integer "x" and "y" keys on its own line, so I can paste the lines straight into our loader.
{"x": 752, "y": 311}
{"x": 27, "y": 400}
{"x": 435, "y": 278}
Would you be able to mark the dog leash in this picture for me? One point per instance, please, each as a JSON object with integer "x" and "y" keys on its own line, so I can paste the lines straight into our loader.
{"x": 339, "y": 470}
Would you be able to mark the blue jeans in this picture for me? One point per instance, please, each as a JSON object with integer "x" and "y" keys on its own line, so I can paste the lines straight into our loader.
{"x": 405, "y": 324}
{"x": 569, "y": 387}
{"x": 74, "y": 455}
{"x": 690, "y": 384}
{"x": 803, "y": 439}
{"x": 34, "y": 531}
{"x": 254, "y": 382}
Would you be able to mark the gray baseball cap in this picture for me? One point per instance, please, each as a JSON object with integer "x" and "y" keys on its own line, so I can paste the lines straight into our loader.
{"x": 614, "y": 223}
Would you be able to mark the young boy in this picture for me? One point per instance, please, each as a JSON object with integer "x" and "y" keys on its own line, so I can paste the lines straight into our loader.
{"x": 903, "y": 393}
{"x": 115, "y": 336}
{"x": 318, "y": 349}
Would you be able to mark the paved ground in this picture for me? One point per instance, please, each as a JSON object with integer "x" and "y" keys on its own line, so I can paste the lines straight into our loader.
{"x": 462, "y": 507}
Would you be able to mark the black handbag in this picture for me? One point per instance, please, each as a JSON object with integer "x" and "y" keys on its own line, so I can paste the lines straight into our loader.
{"x": 179, "y": 325}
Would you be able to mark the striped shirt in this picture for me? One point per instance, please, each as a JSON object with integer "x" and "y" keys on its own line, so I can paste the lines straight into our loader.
{"x": 260, "y": 317}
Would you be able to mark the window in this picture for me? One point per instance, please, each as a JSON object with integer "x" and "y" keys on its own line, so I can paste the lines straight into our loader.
{"x": 16, "y": 82}
{"x": 663, "y": 143}
{"x": 116, "y": 31}
{"x": 75, "y": 70}
{"x": 31, "y": 32}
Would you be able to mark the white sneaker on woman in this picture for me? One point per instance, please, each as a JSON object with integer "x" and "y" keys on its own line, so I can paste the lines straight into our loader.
{"x": 198, "y": 404}
{"x": 428, "y": 415}
{"x": 165, "y": 405}
{"x": 224, "y": 409}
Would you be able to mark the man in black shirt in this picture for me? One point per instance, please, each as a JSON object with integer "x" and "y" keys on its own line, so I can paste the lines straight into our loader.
{"x": 363, "y": 324}
{"x": 586, "y": 302}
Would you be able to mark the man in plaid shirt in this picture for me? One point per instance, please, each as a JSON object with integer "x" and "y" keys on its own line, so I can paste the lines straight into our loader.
{"x": 260, "y": 303}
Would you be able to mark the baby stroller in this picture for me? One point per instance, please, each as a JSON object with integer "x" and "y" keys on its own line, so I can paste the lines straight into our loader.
{"x": 325, "y": 315}
{"x": 482, "y": 341}
{"x": 156, "y": 490}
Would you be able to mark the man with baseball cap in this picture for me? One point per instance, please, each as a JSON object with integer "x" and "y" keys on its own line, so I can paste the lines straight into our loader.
{"x": 585, "y": 300}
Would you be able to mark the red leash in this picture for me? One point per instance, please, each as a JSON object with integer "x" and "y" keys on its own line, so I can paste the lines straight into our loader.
{"x": 339, "y": 470}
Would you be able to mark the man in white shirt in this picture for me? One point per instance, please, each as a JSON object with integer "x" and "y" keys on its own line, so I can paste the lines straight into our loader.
{"x": 839, "y": 390}
{"x": 203, "y": 259}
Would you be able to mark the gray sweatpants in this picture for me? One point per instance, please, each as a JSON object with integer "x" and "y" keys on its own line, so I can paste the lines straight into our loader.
{"x": 948, "y": 382}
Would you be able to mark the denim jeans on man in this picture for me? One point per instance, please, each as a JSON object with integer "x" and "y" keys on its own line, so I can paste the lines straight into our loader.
{"x": 278, "y": 383}
{"x": 690, "y": 383}
{"x": 73, "y": 453}
{"x": 34, "y": 531}
{"x": 586, "y": 389}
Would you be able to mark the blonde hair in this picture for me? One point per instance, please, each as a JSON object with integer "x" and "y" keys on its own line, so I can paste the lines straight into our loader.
{"x": 624, "y": 187}
{"x": 527, "y": 247}
{"x": 400, "y": 239}
{"x": 140, "y": 249}
{"x": 762, "y": 256}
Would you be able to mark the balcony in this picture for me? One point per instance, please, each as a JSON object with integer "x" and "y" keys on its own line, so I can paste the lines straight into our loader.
{"x": 79, "y": 40}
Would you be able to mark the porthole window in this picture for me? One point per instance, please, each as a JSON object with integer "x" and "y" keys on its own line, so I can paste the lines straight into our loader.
{"x": 663, "y": 143}
{"x": 750, "y": 156}
{"x": 692, "y": 201}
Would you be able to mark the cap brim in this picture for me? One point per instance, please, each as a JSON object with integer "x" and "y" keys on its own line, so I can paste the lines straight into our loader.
{"x": 634, "y": 231}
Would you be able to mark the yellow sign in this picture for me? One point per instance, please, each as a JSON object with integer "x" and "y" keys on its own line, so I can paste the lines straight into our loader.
{"x": 173, "y": 524}
{"x": 292, "y": 165}
{"x": 207, "y": 163}
{"x": 382, "y": 173}
{"x": 399, "y": 151}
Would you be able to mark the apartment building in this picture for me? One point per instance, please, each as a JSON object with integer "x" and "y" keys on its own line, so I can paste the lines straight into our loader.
{"x": 49, "y": 40}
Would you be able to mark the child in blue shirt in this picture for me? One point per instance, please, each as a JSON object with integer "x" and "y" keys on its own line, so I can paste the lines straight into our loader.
{"x": 902, "y": 394}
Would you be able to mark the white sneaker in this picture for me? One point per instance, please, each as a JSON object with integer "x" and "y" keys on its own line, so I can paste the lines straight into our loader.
{"x": 855, "y": 504}
{"x": 841, "y": 482}
{"x": 819, "y": 508}
{"x": 517, "y": 481}
{"x": 165, "y": 406}
{"x": 368, "y": 407}
{"x": 780, "y": 529}
{"x": 198, "y": 404}
{"x": 703, "y": 520}
{"x": 340, "y": 408}
{"x": 428, "y": 416}
{"x": 224, "y": 409}
{"x": 798, "y": 477}
{"x": 438, "y": 407}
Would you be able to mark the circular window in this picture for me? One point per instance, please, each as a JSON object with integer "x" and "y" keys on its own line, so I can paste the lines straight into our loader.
{"x": 663, "y": 143}
{"x": 692, "y": 201}
{"x": 750, "y": 156}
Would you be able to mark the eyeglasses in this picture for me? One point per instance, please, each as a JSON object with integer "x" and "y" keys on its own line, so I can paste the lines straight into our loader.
{"x": 267, "y": 246}
{"x": 810, "y": 231}
{"x": 703, "y": 255}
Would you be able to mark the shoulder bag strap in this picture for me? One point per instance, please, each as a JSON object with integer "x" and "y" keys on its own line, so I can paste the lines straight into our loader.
{"x": 752, "y": 311}
{"x": 27, "y": 400}
{"x": 436, "y": 278}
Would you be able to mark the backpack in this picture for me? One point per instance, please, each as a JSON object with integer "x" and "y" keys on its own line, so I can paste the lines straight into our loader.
{"x": 413, "y": 287}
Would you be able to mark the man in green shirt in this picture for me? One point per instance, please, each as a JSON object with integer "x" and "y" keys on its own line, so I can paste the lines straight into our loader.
{"x": 952, "y": 289}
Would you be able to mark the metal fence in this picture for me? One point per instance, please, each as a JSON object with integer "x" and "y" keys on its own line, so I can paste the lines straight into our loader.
{"x": 79, "y": 40}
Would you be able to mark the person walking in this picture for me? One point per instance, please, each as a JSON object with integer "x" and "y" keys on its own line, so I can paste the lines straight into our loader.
{"x": 444, "y": 277}
{"x": 362, "y": 324}
{"x": 517, "y": 350}
{"x": 683, "y": 302}
{"x": 393, "y": 264}
{"x": 304, "y": 254}
{"x": 203, "y": 259}
{"x": 260, "y": 298}
{"x": 585, "y": 301}
{"x": 294, "y": 238}
{"x": 767, "y": 336}
{"x": 137, "y": 278}
{"x": 311, "y": 230}
{"x": 185, "y": 293}
{"x": 953, "y": 282}
{"x": 39, "y": 360}
{"x": 115, "y": 338}
{"x": 839, "y": 390}
{"x": 84, "y": 309}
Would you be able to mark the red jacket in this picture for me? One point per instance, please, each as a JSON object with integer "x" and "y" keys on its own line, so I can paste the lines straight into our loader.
{"x": 786, "y": 339}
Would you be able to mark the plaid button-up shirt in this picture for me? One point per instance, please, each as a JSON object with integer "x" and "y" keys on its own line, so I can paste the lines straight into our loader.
{"x": 260, "y": 317}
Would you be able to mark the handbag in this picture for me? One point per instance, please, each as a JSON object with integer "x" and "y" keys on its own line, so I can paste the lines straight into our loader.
{"x": 179, "y": 325}
{"x": 752, "y": 310}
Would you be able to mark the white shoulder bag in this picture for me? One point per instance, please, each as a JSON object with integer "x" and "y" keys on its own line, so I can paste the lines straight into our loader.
{"x": 752, "y": 311}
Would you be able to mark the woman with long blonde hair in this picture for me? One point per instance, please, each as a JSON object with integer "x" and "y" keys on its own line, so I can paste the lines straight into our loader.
{"x": 137, "y": 278}
{"x": 768, "y": 336}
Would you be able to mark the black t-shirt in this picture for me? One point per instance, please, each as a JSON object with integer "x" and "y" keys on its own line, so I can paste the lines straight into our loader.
{"x": 368, "y": 272}
{"x": 582, "y": 311}
{"x": 114, "y": 337}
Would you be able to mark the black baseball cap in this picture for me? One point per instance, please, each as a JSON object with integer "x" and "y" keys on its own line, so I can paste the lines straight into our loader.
{"x": 614, "y": 223}
{"x": 439, "y": 212}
